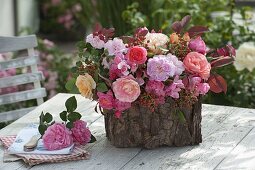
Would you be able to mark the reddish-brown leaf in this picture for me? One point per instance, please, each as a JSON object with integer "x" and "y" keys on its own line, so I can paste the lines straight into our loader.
{"x": 222, "y": 61}
{"x": 185, "y": 20}
{"x": 197, "y": 30}
{"x": 127, "y": 39}
{"x": 177, "y": 26}
{"x": 217, "y": 83}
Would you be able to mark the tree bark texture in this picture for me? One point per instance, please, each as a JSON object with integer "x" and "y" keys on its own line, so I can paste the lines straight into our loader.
{"x": 141, "y": 127}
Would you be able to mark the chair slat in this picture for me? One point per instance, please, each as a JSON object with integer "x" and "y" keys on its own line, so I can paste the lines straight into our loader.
{"x": 22, "y": 96}
{"x": 21, "y": 79}
{"x": 19, "y": 62}
{"x": 14, "y": 114}
{"x": 8, "y": 44}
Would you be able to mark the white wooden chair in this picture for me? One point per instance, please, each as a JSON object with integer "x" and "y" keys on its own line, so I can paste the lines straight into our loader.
{"x": 12, "y": 44}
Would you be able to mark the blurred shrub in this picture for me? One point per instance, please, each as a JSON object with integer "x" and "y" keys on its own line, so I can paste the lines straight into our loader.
{"x": 65, "y": 19}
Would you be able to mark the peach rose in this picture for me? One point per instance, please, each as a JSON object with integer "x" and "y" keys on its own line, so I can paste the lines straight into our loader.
{"x": 85, "y": 84}
{"x": 197, "y": 64}
{"x": 126, "y": 89}
{"x": 174, "y": 38}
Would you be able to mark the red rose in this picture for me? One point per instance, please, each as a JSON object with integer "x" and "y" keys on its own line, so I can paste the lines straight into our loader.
{"x": 137, "y": 55}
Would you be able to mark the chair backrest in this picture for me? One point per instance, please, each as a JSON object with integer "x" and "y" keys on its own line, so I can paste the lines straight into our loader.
{"x": 12, "y": 44}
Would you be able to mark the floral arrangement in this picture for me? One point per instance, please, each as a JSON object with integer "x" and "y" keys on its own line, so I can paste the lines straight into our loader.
{"x": 149, "y": 67}
{"x": 57, "y": 136}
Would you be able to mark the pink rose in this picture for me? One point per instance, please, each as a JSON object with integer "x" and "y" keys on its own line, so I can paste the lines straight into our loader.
{"x": 198, "y": 45}
{"x": 81, "y": 134}
{"x": 126, "y": 89}
{"x": 120, "y": 107}
{"x": 57, "y": 136}
{"x": 106, "y": 101}
{"x": 137, "y": 55}
{"x": 197, "y": 64}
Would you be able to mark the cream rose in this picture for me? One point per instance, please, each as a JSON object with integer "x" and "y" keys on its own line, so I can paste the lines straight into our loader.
{"x": 85, "y": 84}
{"x": 156, "y": 40}
{"x": 245, "y": 57}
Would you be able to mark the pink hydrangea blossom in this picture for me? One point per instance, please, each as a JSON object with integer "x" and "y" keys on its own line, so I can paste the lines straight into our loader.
{"x": 115, "y": 46}
{"x": 106, "y": 101}
{"x": 57, "y": 136}
{"x": 155, "y": 87}
{"x": 126, "y": 89}
{"x": 197, "y": 86}
{"x": 198, "y": 45}
{"x": 95, "y": 41}
{"x": 174, "y": 89}
{"x": 80, "y": 132}
{"x": 161, "y": 67}
{"x": 179, "y": 65}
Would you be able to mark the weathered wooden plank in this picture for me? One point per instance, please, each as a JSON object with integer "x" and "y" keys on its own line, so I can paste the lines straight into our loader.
{"x": 14, "y": 114}
{"x": 224, "y": 137}
{"x": 22, "y": 96}
{"x": 8, "y": 44}
{"x": 20, "y": 79}
{"x": 18, "y": 62}
{"x": 243, "y": 155}
{"x": 34, "y": 69}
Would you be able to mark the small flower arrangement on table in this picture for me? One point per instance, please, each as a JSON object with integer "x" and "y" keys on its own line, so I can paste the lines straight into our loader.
{"x": 149, "y": 70}
{"x": 72, "y": 130}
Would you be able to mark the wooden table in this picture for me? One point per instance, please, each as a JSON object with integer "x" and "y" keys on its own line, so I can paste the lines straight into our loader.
{"x": 228, "y": 142}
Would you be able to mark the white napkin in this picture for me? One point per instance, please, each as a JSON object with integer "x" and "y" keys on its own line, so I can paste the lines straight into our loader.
{"x": 25, "y": 135}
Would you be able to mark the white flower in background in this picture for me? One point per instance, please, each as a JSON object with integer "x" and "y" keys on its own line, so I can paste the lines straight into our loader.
{"x": 156, "y": 40}
{"x": 115, "y": 46}
{"x": 95, "y": 41}
{"x": 245, "y": 56}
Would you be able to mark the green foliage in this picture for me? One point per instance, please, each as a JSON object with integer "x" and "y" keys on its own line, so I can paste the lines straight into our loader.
{"x": 102, "y": 87}
{"x": 181, "y": 116}
{"x": 45, "y": 122}
{"x": 71, "y": 104}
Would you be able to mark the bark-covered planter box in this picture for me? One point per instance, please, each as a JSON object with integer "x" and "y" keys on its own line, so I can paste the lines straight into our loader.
{"x": 138, "y": 126}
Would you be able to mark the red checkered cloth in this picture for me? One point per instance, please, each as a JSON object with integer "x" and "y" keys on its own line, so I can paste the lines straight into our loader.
{"x": 78, "y": 153}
